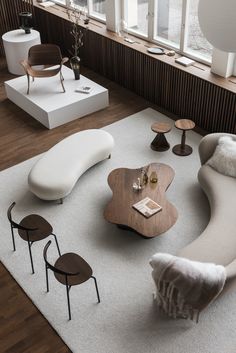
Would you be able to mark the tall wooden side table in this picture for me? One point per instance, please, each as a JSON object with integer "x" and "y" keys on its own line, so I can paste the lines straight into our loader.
{"x": 184, "y": 125}
{"x": 160, "y": 143}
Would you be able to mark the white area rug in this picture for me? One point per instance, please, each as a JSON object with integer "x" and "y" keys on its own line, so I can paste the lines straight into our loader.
{"x": 126, "y": 320}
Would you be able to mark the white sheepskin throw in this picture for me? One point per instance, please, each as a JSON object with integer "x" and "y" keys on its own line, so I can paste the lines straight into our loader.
{"x": 184, "y": 287}
{"x": 224, "y": 158}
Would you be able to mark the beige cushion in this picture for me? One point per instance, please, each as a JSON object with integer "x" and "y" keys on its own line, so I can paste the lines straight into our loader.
{"x": 224, "y": 157}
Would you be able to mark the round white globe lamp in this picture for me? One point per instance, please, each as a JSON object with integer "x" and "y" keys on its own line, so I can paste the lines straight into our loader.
{"x": 217, "y": 19}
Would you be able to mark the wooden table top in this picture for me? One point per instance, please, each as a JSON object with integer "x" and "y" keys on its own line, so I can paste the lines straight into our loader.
{"x": 161, "y": 127}
{"x": 184, "y": 124}
{"x": 120, "y": 211}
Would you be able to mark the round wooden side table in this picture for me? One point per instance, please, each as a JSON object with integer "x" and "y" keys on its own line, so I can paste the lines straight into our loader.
{"x": 184, "y": 125}
{"x": 160, "y": 143}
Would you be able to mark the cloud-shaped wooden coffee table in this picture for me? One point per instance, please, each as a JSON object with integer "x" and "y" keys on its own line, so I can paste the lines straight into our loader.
{"x": 120, "y": 211}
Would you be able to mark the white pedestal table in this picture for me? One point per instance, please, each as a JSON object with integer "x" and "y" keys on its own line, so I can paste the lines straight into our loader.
{"x": 16, "y": 45}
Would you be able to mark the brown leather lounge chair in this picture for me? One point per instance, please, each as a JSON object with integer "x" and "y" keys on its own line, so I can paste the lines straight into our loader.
{"x": 44, "y": 54}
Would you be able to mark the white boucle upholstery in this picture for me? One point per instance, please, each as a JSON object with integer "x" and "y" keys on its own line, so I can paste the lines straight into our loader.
{"x": 223, "y": 159}
{"x": 217, "y": 243}
{"x": 56, "y": 173}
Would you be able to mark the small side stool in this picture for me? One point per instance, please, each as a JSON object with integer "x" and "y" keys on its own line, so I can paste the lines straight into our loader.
{"x": 184, "y": 125}
{"x": 160, "y": 143}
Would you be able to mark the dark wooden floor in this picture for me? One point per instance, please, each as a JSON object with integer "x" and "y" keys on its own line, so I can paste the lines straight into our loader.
{"x": 22, "y": 327}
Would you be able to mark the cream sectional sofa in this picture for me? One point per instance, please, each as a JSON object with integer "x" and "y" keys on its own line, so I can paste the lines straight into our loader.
{"x": 217, "y": 243}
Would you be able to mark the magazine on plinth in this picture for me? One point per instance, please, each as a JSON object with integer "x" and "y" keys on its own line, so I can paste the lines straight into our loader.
{"x": 147, "y": 207}
{"x": 83, "y": 89}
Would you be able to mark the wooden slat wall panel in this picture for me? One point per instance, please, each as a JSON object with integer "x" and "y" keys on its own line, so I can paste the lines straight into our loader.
{"x": 9, "y": 11}
{"x": 211, "y": 107}
{"x": 54, "y": 30}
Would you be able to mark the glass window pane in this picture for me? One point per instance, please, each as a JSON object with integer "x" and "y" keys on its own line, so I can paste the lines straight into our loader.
{"x": 81, "y": 4}
{"x": 196, "y": 42}
{"x": 135, "y": 14}
{"x": 98, "y": 6}
{"x": 168, "y": 17}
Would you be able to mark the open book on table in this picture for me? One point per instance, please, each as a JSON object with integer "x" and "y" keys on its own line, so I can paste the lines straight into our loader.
{"x": 147, "y": 207}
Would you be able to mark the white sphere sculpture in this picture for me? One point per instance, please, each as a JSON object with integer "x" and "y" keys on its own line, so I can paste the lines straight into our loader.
{"x": 217, "y": 19}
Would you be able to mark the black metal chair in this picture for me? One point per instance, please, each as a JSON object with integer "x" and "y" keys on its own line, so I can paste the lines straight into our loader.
{"x": 70, "y": 269}
{"x": 31, "y": 228}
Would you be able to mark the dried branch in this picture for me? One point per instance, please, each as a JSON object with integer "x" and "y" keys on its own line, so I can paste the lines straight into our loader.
{"x": 74, "y": 15}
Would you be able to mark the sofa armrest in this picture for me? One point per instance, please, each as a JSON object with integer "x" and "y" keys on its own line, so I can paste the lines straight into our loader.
{"x": 231, "y": 270}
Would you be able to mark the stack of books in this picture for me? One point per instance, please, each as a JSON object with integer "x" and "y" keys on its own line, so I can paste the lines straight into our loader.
{"x": 184, "y": 61}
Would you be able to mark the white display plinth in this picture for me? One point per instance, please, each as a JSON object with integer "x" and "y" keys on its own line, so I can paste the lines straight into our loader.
{"x": 48, "y": 104}
{"x": 16, "y": 45}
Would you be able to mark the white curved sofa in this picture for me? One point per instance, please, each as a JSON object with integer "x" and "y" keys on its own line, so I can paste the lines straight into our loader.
{"x": 217, "y": 243}
{"x": 56, "y": 173}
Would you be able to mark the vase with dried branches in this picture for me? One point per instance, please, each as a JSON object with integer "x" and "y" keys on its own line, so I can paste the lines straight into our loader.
{"x": 74, "y": 15}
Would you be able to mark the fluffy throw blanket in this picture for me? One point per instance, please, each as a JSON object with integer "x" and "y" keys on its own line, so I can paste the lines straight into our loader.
{"x": 183, "y": 287}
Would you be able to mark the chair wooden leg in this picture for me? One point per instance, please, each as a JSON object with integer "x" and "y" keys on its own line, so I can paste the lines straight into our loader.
{"x": 28, "y": 79}
{"x": 96, "y": 286}
{"x": 61, "y": 79}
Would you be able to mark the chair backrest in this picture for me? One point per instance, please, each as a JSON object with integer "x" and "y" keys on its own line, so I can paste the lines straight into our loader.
{"x": 44, "y": 54}
{"x": 13, "y": 223}
{"x": 9, "y": 216}
{"x": 9, "y": 212}
{"x": 53, "y": 268}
